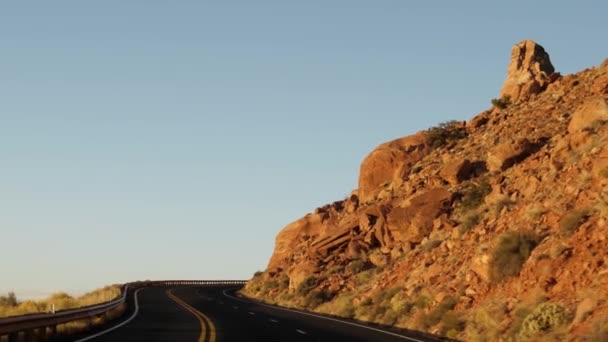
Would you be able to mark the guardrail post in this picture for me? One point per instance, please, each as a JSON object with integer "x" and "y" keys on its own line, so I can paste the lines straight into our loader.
{"x": 31, "y": 335}
{"x": 13, "y": 337}
{"x": 50, "y": 331}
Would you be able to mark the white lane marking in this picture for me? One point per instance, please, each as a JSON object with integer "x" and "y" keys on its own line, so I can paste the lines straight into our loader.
{"x": 235, "y": 307}
{"x": 252, "y": 313}
{"x": 327, "y": 318}
{"x": 273, "y": 320}
{"x": 135, "y": 312}
{"x": 301, "y": 331}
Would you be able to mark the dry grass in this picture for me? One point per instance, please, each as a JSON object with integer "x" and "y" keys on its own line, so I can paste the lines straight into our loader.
{"x": 62, "y": 301}
{"x": 512, "y": 250}
{"x": 86, "y": 324}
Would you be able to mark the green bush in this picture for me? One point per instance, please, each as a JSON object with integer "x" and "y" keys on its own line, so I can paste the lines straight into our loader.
{"x": 502, "y": 102}
{"x": 444, "y": 133}
{"x": 473, "y": 194}
{"x": 572, "y": 220}
{"x": 511, "y": 251}
{"x": 544, "y": 318}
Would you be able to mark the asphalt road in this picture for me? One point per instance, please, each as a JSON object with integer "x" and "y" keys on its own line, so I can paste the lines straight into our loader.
{"x": 214, "y": 314}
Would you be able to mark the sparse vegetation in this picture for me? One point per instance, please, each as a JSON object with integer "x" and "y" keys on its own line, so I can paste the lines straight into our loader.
{"x": 430, "y": 245}
{"x": 501, "y": 203}
{"x": 545, "y": 318}
{"x": 435, "y": 316}
{"x": 10, "y": 306}
{"x": 444, "y": 133}
{"x": 535, "y": 212}
{"x": 469, "y": 221}
{"x": 572, "y": 220}
{"x": 501, "y": 103}
{"x": 306, "y": 286}
{"x": 341, "y": 305}
{"x": 473, "y": 194}
{"x": 315, "y": 298}
{"x": 356, "y": 266}
{"x": 511, "y": 251}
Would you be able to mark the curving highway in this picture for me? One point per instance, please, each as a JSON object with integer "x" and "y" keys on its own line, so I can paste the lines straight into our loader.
{"x": 215, "y": 314}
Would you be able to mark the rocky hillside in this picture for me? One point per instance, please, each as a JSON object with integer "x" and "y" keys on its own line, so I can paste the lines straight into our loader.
{"x": 491, "y": 229}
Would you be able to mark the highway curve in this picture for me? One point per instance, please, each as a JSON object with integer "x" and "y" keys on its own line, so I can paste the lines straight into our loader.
{"x": 214, "y": 314}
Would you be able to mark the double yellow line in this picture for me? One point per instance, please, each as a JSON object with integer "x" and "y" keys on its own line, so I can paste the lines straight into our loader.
{"x": 204, "y": 320}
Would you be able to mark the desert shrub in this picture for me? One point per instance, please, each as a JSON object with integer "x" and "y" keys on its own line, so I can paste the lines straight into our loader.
{"x": 356, "y": 266}
{"x": 572, "y": 220}
{"x": 271, "y": 284}
{"x": 469, "y": 221}
{"x": 258, "y": 274}
{"x": 422, "y": 301}
{"x": 341, "y": 305}
{"x": 452, "y": 324}
{"x": 473, "y": 194}
{"x": 430, "y": 245}
{"x": 306, "y": 286}
{"x": 544, "y": 318}
{"x": 511, "y": 251}
{"x": 502, "y": 102}
{"x": 483, "y": 324}
{"x": 502, "y": 202}
{"x": 365, "y": 276}
{"x": 10, "y": 300}
{"x": 335, "y": 269}
{"x": 435, "y": 316}
{"x": 444, "y": 133}
{"x": 315, "y": 298}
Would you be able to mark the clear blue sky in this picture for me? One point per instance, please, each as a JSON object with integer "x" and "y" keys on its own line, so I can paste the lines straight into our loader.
{"x": 174, "y": 139}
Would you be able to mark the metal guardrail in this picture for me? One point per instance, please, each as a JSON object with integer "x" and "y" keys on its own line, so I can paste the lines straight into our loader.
{"x": 43, "y": 325}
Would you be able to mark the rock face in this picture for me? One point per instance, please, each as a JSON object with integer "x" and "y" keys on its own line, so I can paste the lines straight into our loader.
{"x": 390, "y": 161}
{"x": 413, "y": 221}
{"x": 522, "y": 194}
{"x": 592, "y": 111}
{"x": 291, "y": 235}
{"x": 530, "y": 71}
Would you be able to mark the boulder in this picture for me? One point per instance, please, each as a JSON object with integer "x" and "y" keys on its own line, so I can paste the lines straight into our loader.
{"x": 413, "y": 220}
{"x": 293, "y": 234}
{"x": 479, "y": 265}
{"x": 507, "y": 154}
{"x": 530, "y": 71}
{"x": 390, "y": 161}
{"x": 378, "y": 259}
{"x": 594, "y": 108}
{"x": 456, "y": 171}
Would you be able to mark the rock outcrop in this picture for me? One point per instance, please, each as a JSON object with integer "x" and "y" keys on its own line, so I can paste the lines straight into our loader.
{"x": 530, "y": 71}
{"x": 390, "y": 161}
{"x": 461, "y": 229}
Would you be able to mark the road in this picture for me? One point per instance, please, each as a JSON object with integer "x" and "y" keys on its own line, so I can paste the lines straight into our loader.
{"x": 215, "y": 314}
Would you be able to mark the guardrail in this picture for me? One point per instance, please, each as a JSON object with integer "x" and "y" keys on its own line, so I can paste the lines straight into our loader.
{"x": 42, "y": 326}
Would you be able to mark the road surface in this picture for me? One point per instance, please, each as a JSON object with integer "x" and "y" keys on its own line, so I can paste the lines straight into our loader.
{"x": 215, "y": 314}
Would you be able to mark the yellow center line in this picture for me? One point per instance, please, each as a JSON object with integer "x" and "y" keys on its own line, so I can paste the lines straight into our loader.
{"x": 201, "y": 317}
